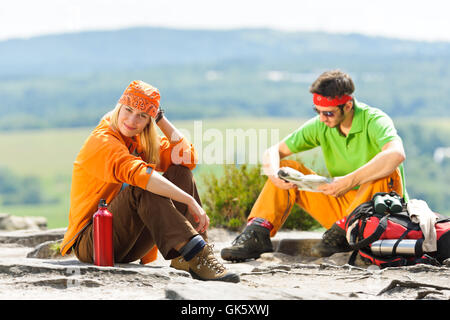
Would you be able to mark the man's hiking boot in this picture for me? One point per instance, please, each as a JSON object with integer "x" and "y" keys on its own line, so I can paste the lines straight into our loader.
{"x": 333, "y": 241}
{"x": 204, "y": 266}
{"x": 250, "y": 244}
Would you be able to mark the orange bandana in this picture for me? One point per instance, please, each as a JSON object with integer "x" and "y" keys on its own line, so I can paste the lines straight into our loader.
{"x": 141, "y": 96}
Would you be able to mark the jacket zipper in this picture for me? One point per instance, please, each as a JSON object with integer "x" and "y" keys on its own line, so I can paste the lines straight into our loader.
{"x": 76, "y": 235}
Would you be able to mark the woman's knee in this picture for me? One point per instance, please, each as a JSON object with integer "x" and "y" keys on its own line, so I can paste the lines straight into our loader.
{"x": 177, "y": 168}
{"x": 178, "y": 172}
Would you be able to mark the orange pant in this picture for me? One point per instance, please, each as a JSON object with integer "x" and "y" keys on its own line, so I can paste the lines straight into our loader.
{"x": 275, "y": 204}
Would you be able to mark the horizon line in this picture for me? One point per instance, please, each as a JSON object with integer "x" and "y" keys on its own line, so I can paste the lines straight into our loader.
{"x": 218, "y": 29}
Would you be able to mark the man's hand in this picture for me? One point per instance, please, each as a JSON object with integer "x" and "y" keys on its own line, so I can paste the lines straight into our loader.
{"x": 199, "y": 215}
{"x": 281, "y": 184}
{"x": 337, "y": 188}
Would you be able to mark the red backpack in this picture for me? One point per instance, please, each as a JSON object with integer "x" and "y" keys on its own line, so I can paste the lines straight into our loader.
{"x": 388, "y": 238}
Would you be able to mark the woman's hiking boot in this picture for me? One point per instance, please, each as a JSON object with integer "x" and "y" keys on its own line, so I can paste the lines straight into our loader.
{"x": 250, "y": 244}
{"x": 333, "y": 241}
{"x": 180, "y": 264}
{"x": 204, "y": 266}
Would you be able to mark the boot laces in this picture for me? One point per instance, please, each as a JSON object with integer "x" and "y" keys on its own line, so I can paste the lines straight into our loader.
{"x": 181, "y": 259}
{"x": 244, "y": 237}
{"x": 210, "y": 261}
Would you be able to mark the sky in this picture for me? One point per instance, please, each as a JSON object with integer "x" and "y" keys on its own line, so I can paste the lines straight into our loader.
{"x": 412, "y": 19}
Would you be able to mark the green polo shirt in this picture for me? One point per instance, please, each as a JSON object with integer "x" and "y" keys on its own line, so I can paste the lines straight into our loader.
{"x": 371, "y": 130}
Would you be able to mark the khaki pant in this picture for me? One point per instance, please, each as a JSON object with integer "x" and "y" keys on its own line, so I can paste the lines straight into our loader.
{"x": 142, "y": 219}
{"x": 275, "y": 204}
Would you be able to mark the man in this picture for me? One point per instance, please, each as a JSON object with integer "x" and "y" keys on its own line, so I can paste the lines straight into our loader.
{"x": 362, "y": 152}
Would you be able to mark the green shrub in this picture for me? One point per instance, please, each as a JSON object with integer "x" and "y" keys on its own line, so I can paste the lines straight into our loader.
{"x": 22, "y": 190}
{"x": 228, "y": 199}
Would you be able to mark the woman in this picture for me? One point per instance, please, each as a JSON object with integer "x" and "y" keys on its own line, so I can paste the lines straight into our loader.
{"x": 117, "y": 163}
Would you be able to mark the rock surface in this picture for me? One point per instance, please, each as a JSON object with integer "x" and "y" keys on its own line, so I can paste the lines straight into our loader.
{"x": 9, "y": 222}
{"x": 280, "y": 275}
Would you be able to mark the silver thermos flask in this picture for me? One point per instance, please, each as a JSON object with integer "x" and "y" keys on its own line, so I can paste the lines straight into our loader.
{"x": 405, "y": 247}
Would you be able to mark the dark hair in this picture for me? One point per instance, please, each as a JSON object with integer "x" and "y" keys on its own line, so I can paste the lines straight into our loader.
{"x": 332, "y": 84}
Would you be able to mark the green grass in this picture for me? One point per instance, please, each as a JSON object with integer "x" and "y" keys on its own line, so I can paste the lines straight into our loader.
{"x": 49, "y": 154}
{"x": 42, "y": 153}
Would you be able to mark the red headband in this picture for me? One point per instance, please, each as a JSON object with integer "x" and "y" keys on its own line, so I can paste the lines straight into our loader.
{"x": 323, "y": 101}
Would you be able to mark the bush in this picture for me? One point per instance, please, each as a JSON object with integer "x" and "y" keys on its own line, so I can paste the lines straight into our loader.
{"x": 230, "y": 198}
{"x": 21, "y": 190}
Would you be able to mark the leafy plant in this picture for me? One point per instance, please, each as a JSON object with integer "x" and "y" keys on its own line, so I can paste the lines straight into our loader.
{"x": 228, "y": 199}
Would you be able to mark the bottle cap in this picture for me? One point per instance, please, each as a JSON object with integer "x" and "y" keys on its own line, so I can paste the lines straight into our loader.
{"x": 102, "y": 203}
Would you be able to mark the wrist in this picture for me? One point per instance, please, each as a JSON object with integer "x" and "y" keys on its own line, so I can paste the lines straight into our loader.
{"x": 352, "y": 179}
{"x": 159, "y": 116}
{"x": 270, "y": 170}
{"x": 189, "y": 201}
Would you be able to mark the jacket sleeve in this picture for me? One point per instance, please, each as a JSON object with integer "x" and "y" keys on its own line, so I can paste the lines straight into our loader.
{"x": 181, "y": 153}
{"x": 108, "y": 159}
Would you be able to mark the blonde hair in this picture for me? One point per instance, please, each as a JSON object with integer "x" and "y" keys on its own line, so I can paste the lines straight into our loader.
{"x": 149, "y": 136}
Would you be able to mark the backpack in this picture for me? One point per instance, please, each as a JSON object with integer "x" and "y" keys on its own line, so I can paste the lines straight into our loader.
{"x": 385, "y": 235}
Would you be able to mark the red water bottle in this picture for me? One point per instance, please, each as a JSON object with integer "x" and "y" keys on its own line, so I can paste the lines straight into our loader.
{"x": 103, "y": 240}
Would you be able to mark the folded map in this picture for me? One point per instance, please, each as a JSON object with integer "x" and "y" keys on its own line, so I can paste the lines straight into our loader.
{"x": 305, "y": 182}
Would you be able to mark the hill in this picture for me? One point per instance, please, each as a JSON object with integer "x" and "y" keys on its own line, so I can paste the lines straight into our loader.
{"x": 137, "y": 48}
{"x": 72, "y": 79}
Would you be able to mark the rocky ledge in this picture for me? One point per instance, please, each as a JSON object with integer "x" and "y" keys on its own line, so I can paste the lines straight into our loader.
{"x": 30, "y": 269}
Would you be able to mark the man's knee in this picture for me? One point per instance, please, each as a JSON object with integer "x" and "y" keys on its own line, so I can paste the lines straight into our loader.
{"x": 289, "y": 163}
{"x": 296, "y": 165}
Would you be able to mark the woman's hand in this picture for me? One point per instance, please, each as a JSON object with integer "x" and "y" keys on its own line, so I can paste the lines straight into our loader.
{"x": 199, "y": 215}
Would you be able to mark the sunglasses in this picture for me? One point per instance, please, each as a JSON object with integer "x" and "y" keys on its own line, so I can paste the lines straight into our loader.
{"x": 328, "y": 114}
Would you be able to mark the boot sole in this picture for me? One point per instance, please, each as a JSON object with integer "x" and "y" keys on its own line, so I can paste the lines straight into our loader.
{"x": 326, "y": 252}
{"x": 230, "y": 277}
{"x": 234, "y": 256}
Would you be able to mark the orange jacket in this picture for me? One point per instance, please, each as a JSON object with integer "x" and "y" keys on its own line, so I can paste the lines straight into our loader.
{"x": 104, "y": 163}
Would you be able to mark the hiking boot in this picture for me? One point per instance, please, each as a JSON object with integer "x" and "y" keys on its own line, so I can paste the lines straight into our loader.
{"x": 180, "y": 264}
{"x": 333, "y": 241}
{"x": 204, "y": 266}
{"x": 250, "y": 244}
